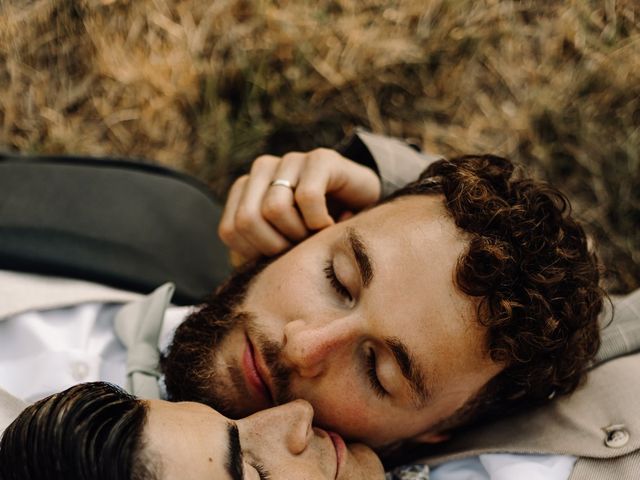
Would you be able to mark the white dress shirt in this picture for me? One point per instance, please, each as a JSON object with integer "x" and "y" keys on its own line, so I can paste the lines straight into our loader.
{"x": 42, "y": 352}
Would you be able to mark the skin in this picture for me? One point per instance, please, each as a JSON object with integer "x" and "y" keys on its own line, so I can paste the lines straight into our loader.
{"x": 326, "y": 337}
{"x": 192, "y": 441}
{"x": 262, "y": 220}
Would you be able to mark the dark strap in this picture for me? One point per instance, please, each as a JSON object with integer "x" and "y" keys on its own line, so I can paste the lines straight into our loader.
{"x": 131, "y": 225}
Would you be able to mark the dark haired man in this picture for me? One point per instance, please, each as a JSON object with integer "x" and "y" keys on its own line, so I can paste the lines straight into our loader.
{"x": 463, "y": 299}
{"x": 97, "y": 431}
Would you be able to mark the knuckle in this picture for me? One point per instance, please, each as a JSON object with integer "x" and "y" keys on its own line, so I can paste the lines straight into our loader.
{"x": 244, "y": 220}
{"x": 262, "y": 162}
{"x": 315, "y": 222}
{"x": 274, "y": 208}
{"x": 300, "y": 235}
{"x": 239, "y": 183}
{"x": 324, "y": 154}
{"x": 274, "y": 249}
{"x": 307, "y": 195}
{"x": 237, "y": 187}
{"x": 293, "y": 157}
{"x": 226, "y": 232}
{"x": 243, "y": 179}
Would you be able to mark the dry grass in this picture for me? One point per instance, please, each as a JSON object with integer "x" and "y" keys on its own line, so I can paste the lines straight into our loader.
{"x": 206, "y": 85}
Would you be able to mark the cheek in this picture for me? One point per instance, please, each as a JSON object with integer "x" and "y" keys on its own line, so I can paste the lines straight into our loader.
{"x": 342, "y": 406}
{"x": 287, "y": 286}
{"x": 312, "y": 464}
{"x": 349, "y": 419}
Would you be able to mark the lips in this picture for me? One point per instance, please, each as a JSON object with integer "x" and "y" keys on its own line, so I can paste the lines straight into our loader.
{"x": 255, "y": 375}
{"x": 340, "y": 446}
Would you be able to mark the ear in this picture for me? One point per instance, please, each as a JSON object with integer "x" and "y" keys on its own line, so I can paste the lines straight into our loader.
{"x": 430, "y": 437}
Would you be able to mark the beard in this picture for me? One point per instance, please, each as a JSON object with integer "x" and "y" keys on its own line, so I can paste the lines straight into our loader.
{"x": 191, "y": 369}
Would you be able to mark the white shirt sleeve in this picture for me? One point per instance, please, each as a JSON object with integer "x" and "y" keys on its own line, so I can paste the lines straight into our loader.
{"x": 506, "y": 467}
{"x": 528, "y": 467}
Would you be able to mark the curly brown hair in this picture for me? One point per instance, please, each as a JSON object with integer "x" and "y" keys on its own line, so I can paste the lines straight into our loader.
{"x": 537, "y": 281}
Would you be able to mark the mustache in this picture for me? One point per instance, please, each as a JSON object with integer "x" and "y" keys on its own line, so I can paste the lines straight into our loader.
{"x": 280, "y": 373}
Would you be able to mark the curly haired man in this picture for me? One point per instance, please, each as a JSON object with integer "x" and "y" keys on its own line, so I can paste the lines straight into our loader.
{"x": 466, "y": 295}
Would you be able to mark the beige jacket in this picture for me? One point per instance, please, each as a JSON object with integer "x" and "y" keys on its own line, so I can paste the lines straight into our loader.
{"x": 600, "y": 423}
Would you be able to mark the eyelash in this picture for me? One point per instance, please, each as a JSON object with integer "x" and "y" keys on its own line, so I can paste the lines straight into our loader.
{"x": 372, "y": 375}
{"x": 330, "y": 273}
{"x": 262, "y": 472}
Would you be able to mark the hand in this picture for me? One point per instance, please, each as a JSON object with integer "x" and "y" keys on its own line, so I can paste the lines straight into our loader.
{"x": 260, "y": 219}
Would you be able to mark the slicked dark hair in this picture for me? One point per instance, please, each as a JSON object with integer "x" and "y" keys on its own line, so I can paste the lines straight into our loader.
{"x": 92, "y": 431}
{"x": 536, "y": 281}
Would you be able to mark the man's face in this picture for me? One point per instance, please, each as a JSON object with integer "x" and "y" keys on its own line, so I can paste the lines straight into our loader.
{"x": 362, "y": 320}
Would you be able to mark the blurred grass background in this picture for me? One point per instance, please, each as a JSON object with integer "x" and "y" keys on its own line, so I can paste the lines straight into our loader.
{"x": 207, "y": 85}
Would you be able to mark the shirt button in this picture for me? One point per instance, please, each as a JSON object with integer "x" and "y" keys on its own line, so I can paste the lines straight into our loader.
{"x": 79, "y": 371}
{"x": 617, "y": 436}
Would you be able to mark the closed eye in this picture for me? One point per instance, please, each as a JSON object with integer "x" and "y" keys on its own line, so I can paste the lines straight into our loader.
{"x": 263, "y": 474}
{"x": 372, "y": 374}
{"x": 330, "y": 273}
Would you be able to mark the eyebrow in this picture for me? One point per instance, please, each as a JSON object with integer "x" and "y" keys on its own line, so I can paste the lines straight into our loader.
{"x": 363, "y": 260}
{"x": 420, "y": 392}
{"x": 234, "y": 453}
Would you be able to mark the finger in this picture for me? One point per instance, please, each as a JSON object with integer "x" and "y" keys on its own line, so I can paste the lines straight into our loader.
{"x": 237, "y": 259}
{"x": 227, "y": 230}
{"x": 355, "y": 185}
{"x": 278, "y": 205}
{"x": 329, "y": 174}
{"x": 346, "y": 215}
{"x": 249, "y": 221}
{"x": 311, "y": 191}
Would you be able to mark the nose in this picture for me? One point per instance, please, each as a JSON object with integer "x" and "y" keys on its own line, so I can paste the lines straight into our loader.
{"x": 309, "y": 347}
{"x": 289, "y": 424}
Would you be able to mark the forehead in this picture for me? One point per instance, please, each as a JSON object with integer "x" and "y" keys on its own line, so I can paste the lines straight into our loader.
{"x": 413, "y": 226}
{"x": 186, "y": 437}
{"x": 414, "y": 246}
